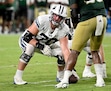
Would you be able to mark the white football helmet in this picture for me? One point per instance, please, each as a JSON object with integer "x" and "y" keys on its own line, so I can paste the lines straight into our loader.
{"x": 58, "y": 10}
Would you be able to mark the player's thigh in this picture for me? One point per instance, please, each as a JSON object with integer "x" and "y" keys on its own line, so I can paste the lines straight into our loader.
{"x": 82, "y": 34}
{"x": 97, "y": 40}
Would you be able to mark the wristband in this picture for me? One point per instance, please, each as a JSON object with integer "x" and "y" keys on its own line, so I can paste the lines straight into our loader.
{"x": 39, "y": 46}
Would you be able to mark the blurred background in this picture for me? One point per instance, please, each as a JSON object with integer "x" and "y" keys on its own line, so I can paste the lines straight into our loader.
{"x": 17, "y": 15}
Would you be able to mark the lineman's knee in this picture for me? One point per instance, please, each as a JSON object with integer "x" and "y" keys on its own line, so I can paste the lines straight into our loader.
{"x": 60, "y": 60}
{"x": 89, "y": 59}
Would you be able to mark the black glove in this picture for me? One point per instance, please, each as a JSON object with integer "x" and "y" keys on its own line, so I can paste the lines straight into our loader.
{"x": 39, "y": 46}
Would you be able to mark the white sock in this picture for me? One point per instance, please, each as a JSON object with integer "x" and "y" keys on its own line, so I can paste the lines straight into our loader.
{"x": 104, "y": 66}
{"x": 104, "y": 70}
{"x": 19, "y": 73}
{"x": 60, "y": 74}
{"x": 67, "y": 74}
{"x": 98, "y": 70}
{"x": 87, "y": 68}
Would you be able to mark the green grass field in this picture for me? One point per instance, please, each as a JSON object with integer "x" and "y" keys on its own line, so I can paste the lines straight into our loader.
{"x": 41, "y": 70}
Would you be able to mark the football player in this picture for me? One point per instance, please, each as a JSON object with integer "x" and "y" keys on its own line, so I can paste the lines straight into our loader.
{"x": 42, "y": 34}
{"x": 92, "y": 26}
{"x": 89, "y": 61}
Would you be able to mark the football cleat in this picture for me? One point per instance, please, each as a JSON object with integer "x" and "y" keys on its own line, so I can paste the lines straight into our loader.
{"x": 62, "y": 85}
{"x": 88, "y": 74}
{"x": 19, "y": 81}
{"x": 58, "y": 80}
{"x": 100, "y": 83}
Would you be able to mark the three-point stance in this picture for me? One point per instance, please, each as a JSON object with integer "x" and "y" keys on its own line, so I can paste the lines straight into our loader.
{"x": 42, "y": 34}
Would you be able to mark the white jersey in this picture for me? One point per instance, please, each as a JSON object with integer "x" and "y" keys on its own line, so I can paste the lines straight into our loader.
{"x": 46, "y": 35}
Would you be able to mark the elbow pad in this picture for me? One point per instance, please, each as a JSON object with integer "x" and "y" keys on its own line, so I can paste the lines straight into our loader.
{"x": 28, "y": 36}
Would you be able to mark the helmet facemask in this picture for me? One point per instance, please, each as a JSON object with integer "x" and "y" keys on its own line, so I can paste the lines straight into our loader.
{"x": 55, "y": 22}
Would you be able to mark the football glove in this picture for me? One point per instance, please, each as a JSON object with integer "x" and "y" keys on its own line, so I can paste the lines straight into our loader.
{"x": 46, "y": 50}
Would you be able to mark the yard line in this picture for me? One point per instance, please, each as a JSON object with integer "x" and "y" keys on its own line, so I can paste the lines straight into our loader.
{"x": 9, "y": 66}
{"x": 39, "y": 82}
{"x": 50, "y": 85}
{"x": 45, "y": 81}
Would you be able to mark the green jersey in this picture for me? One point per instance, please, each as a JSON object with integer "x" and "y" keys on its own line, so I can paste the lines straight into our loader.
{"x": 89, "y": 8}
{"x": 2, "y": 5}
{"x": 41, "y": 3}
{"x": 22, "y": 3}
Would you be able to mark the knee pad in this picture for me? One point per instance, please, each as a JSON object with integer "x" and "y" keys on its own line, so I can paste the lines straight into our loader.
{"x": 89, "y": 59}
{"x": 25, "y": 58}
{"x": 60, "y": 60}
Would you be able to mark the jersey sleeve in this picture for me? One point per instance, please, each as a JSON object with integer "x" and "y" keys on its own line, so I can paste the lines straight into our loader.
{"x": 40, "y": 21}
{"x": 64, "y": 32}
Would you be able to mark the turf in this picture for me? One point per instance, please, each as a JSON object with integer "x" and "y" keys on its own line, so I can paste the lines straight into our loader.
{"x": 41, "y": 70}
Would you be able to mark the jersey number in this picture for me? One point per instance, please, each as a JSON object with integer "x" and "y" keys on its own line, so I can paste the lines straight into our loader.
{"x": 48, "y": 41}
{"x": 92, "y": 1}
